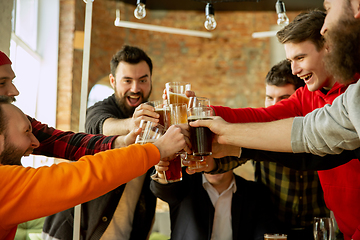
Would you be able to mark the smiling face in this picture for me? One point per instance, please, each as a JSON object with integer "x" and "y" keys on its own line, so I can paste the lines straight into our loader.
{"x": 17, "y": 139}
{"x": 307, "y": 63}
{"x": 132, "y": 85}
{"x": 7, "y": 75}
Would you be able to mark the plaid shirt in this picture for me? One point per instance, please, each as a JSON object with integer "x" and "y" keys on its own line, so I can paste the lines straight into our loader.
{"x": 295, "y": 193}
{"x": 67, "y": 145}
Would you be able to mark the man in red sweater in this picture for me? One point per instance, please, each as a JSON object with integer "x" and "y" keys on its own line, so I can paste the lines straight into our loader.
{"x": 341, "y": 185}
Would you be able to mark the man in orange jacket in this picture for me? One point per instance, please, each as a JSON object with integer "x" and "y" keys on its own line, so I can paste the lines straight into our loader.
{"x": 25, "y": 195}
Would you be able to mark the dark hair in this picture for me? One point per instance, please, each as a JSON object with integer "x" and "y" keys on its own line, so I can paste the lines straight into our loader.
{"x": 3, "y": 119}
{"x": 306, "y": 26}
{"x": 281, "y": 75}
{"x": 130, "y": 55}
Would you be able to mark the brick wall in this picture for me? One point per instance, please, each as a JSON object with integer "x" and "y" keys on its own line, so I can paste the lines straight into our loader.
{"x": 229, "y": 68}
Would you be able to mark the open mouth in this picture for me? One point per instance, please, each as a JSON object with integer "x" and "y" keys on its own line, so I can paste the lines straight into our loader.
{"x": 134, "y": 100}
{"x": 306, "y": 77}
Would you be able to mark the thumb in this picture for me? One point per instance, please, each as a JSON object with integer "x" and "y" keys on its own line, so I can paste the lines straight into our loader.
{"x": 200, "y": 123}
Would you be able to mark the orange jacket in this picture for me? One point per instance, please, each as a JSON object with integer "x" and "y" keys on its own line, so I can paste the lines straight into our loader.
{"x": 28, "y": 193}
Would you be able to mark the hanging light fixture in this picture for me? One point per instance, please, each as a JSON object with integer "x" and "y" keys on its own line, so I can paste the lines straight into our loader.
{"x": 283, "y": 20}
{"x": 210, "y": 23}
{"x": 140, "y": 11}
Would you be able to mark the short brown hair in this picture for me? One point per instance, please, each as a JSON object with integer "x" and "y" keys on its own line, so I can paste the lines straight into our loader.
{"x": 305, "y": 26}
{"x": 129, "y": 54}
{"x": 281, "y": 75}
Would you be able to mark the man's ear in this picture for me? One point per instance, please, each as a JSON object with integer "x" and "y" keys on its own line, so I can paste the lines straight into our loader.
{"x": 357, "y": 10}
{"x": 2, "y": 144}
{"x": 112, "y": 81}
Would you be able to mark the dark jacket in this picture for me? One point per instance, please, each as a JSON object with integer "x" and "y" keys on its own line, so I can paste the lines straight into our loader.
{"x": 97, "y": 214}
{"x": 192, "y": 213}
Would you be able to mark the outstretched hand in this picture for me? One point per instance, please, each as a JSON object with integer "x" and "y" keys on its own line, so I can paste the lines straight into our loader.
{"x": 217, "y": 125}
{"x": 171, "y": 142}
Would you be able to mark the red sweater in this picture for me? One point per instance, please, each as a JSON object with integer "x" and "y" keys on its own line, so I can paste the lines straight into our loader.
{"x": 341, "y": 185}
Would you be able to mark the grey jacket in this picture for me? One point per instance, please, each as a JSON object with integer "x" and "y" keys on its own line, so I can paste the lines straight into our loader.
{"x": 331, "y": 129}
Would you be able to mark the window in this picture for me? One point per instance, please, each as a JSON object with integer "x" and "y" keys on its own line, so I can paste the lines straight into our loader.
{"x": 34, "y": 51}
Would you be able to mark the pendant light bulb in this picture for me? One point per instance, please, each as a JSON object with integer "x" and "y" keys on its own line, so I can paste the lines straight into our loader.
{"x": 210, "y": 23}
{"x": 140, "y": 11}
{"x": 283, "y": 19}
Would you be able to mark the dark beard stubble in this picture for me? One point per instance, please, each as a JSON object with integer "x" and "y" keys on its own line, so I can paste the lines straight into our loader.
{"x": 343, "y": 59}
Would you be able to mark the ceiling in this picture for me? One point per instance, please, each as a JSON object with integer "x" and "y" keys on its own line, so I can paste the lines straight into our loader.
{"x": 199, "y": 5}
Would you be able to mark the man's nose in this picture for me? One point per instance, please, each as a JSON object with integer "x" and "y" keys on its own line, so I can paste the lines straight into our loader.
{"x": 135, "y": 87}
{"x": 34, "y": 142}
{"x": 295, "y": 68}
{"x": 12, "y": 91}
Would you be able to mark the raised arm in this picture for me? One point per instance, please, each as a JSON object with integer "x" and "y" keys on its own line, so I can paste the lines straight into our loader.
{"x": 68, "y": 145}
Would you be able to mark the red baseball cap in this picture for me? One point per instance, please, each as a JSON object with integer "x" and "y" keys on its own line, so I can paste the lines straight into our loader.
{"x": 4, "y": 59}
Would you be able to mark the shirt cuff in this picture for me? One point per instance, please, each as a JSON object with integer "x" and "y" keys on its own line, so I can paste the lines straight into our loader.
{"x": 155, "y": 177}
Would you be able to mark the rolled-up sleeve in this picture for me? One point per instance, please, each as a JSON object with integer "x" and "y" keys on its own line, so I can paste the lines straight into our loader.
{"x": 331, "y": 129}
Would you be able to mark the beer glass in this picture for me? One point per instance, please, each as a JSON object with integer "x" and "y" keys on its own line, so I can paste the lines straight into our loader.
{"x": 150, "y": 131}
{"x": 178, "y": 115}
{"x": 198, "y": 102}
{"x": 268, "y": 236}
{"x": 176, "y": 92}
{"x": 200, "y": 137}
{"x": 163, "y": 110}
{"x": 324, "y": 228}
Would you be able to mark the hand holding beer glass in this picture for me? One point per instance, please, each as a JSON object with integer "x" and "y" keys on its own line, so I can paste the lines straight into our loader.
{"x": 163, "y": 110}
{"x": 150, "y": 131}
{"x": 200, "y": 137}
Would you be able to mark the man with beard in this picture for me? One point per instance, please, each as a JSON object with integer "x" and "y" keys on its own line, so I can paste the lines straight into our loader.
{"x": 128, "y": 211}
{"x": 29, "y": 193}
{"x": 330, "y": 129}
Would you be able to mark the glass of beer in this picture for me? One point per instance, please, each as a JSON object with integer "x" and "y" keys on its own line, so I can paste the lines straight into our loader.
{"x": 178, "y": 113}
{"x": 176, "y": 92}
{"x": 163, "y": 110}
{"x": 150, "y": 131}
{"x": 277, "y": 236}
{"x": 198, "y": 102}
{"x": 200, "y": 137}
{"x": 174, "y": 173}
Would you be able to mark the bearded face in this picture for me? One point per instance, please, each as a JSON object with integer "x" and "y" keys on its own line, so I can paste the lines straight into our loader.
{"x": 11, "y": 154}
{"x": 343, "y": 59}
{"x": 122, "y": 101}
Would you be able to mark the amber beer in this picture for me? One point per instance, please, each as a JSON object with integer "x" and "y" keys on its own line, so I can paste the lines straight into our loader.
{"x": 176, "y": 92}
{"x": 164, "y": 118}
{"x": 177, "y": 98}
{"x": 200, "y": 137}
{"x": 174, "y": 173}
